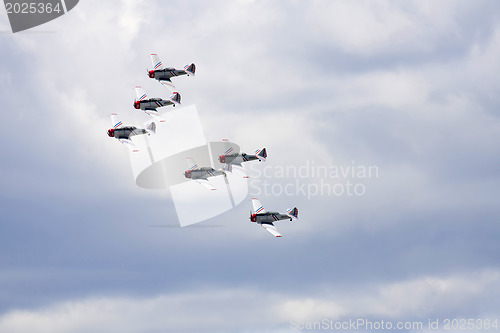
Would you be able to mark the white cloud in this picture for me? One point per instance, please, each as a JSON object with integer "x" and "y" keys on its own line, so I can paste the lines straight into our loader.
{"x": 368, "y": 28}
{"x": 242, "y": 310}
{"x": 396, "y": 89}
{"x": 361, "y": 26}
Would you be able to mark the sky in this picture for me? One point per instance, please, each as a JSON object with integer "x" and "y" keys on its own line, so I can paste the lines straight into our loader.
{"x": 409, "y": 89}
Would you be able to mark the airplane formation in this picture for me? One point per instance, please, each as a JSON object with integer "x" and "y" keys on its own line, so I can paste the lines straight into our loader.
{"x": 200, "y": 174}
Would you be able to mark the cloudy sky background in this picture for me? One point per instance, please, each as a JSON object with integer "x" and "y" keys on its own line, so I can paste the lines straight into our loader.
{"x": 410, "y": 87}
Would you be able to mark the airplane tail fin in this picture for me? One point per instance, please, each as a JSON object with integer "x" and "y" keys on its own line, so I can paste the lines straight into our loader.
{"x": 190, "y": 69}
{"x": 293, "y": 213}
{"x": 261, "y": 154}
{"x": 175, "y": 98}
{"x": 151, "y": 127}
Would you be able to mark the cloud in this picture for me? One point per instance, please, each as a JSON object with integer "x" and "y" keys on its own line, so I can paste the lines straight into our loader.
{"x": 256, "y": 310}
{"x": 410, "y": 88}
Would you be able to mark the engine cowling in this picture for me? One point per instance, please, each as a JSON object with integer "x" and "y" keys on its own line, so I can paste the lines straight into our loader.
{"x": 151, "y": 74}
{"x": 111, "y": 132}
{"x": 187, "y": 174}
{"x": 253, "y": 217}
{"x": 222, "y": 158}
{"x": 137, "y": 104}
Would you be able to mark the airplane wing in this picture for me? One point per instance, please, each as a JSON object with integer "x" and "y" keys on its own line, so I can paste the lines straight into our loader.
{"x": 237, "y": 169}
{"x": 257, "y": 206}
{"x": 229, "y": 150}
{"x": 191, "y": 163}
{"x": 115, "y": 122}
{"x": 155, "y": 60}
{"x": 155, "y": 115}
{"x": 167, "y": 83}
{"x": 129, "y": 144}
{"x": 140, "y": 93}
{"x": 205, "y": 183}
{"x": 271, "y": 228}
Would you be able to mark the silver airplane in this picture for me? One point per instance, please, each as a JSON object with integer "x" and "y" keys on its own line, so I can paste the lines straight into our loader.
{"x": 201, "y": 175}
{"x": 124, "y": 133}
{"x": 233, "y": 159}
{"x": 266, "y": 219}
{"x": 150, "y": 105}
{"x": 164, "y": 74}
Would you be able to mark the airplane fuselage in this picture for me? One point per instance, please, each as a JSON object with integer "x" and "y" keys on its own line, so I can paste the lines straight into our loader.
{"x": 268, "y": 217}
{"x": 202, "y": 173}
{"x": 237, "y": 158}
{"x": 126, "y": 132}
{"x": 166, "y": 73}
{"x": 151, "y": 104}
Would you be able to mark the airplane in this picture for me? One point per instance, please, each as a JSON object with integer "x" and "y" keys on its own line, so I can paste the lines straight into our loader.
{"x": 266, "y": 219}
{"x": 201, "y": 175}
{"x": 163, "y": 74}
{"x": 149, "y": 105}
{"x": 233, "y": 160}
{"x": 124, "y": 133}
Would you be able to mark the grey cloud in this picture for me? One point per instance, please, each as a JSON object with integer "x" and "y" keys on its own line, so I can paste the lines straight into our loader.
{"x": 74, "y": 224}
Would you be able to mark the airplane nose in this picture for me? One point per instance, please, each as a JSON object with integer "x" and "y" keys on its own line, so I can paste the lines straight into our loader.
{"x": 222, "y": 158}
